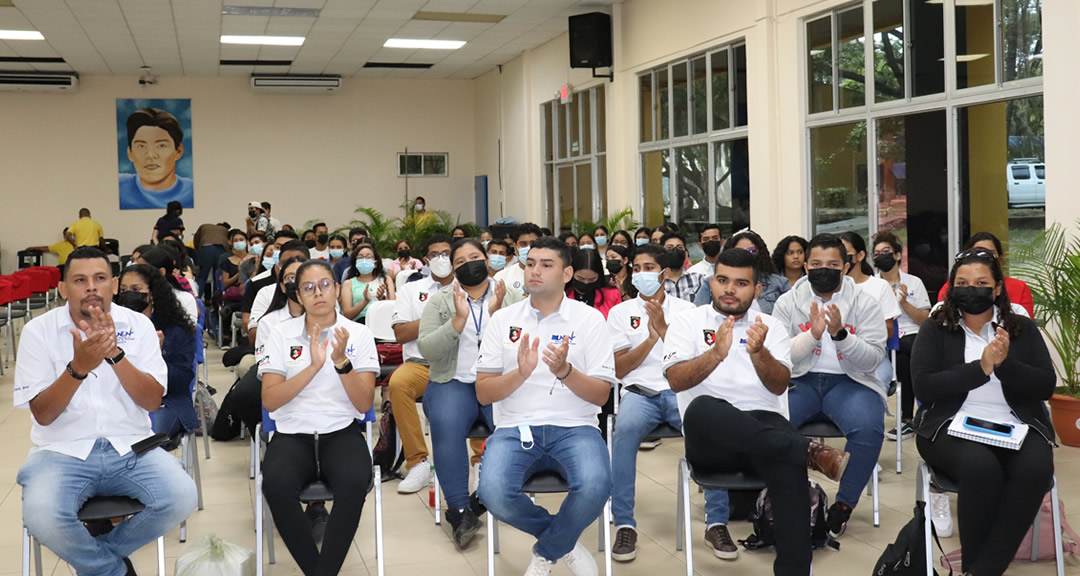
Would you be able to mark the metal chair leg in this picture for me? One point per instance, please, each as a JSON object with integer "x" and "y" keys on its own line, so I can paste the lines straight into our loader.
{"x": 438, "y": 502}
{"x": 687, "y": 538}
{"x": 258, "y": 527}
{"x": 679, "y": 507}
{"x": 607, "y": 537}
{"x": 196, "y": 472}
{"x": 25, "y": 552}
{"x": 161, "y": 555}
{"x": 922, "y": 494}
{"x": 379, "y": 559}
{"x": 1059, "y": 554}
{"x": 491, "y": 548}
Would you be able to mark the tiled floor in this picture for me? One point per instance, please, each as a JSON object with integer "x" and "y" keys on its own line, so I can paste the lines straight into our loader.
{"x": 415, "y": 546}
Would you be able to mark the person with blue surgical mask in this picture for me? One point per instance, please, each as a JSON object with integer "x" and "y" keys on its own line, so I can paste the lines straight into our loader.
{"x": 337, "y": 250}
{"x": 600, "y": 236}
{"x": 642, "y": 236}
{"x": 252, "y": 264}
{"x": 229, "y": 264}
{"x": 498, "y": 251}
{"x": 366, "y": 282}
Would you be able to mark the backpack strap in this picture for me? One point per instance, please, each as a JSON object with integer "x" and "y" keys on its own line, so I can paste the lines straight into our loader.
{"x": 933, "y": 532}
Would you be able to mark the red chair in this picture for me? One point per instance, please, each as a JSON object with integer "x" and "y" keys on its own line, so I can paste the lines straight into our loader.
{"x": 20, "y": 293}
{"x": 39, "y": 288}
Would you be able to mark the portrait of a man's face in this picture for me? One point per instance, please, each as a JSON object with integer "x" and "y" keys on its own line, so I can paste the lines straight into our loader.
{"x": 154, "y": 154}
{"x": 154, "y": 145}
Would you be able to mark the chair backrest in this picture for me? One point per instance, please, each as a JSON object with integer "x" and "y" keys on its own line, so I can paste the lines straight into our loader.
{"x": 39, "y": 279}
{"x": 20, "y": 286}
{"x": 402, "y": 278}
{"x": 53, "y": 273}
{"x": 379, "y": 317}
{"x": 5, "y": 292}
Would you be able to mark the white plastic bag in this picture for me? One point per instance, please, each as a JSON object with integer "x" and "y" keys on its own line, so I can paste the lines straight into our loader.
{"x": 213, "y": 556}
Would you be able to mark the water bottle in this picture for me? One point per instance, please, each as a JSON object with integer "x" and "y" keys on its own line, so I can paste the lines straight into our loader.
{"x": 431, "y": 487}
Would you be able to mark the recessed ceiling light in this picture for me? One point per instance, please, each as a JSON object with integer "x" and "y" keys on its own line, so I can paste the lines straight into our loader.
{"x": 20, "y": 35}
{"x": 232, "y": 10}
{"x": 265, "y": 40}
{"x": 424, "y": 44}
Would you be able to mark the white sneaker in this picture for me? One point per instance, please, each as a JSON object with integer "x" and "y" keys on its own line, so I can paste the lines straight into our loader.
{"x": 941, "y": 514}
{"x": 539, "y": 566}
{"x": 474, "y": 477}
{"x": 581, "y": 562}
{"x": 418, "y": 478}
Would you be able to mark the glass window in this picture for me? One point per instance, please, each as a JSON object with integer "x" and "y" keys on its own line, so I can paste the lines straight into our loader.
{"x": 562, "y": 113}
{"x": 656, "y": 187}
{"x": 888, "y": 50}
{"x": 974, "y": 43}
{"x": 435, "y": 165}
{"x": 927, "y": 44}
{"x": 586, "y": 122}
{"x": 565, "y": 184}
{"x": 646, "y": 107}
{"x": 819, "y": 61}
{"x": 1022, "y": 43}
{"x": 664, "y": 95}
{"x": 732, "y": 176}
{"x": 549, "y": 194}
{"x": 1040, "y": 172}
{"x": 545, "y": 111}
{"x": 852, "y": 58}
{"x": 601, "y": 175}
{"x": 693, "y": 193}
{"x": 680, "y": 99}
{"x": 1021, "y": 173}
{"x": 699, "y": 96}
{"x": 601, "y": 120}
{"x": 583, "y": 186}
{"x": 721, "y": 113}
{"x": 740, "y": 85}
{"x": 999, "y": 140}
{"x": 839, "y": 178}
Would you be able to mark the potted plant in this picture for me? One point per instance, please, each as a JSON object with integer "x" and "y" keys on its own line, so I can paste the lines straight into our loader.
{"x": 1050, "y": 265}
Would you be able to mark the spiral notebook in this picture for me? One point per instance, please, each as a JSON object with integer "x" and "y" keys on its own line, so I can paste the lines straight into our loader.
{"x": 1012, "y": 441}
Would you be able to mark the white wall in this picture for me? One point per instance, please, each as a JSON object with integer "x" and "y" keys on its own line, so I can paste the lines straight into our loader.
{"x": 311, "y": 156}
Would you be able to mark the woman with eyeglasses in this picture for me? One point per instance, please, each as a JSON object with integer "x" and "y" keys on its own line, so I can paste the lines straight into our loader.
{"x": 365, "y": 283}
{"x": 318, "y": 377}
{"x": 143, "y": 289}
{"x": 977, "y": 364}
{"x": 1019, "y": 293}
{"x": 451, "y": 328}
{"x": 773, "y": 284}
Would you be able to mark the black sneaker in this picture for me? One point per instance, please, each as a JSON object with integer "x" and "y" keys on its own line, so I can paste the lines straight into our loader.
{"x": 906, "y": 431}
{"x": 318, "y": 516}
{"x": 465, "y": 525}
{"x": 98, "y": 527}
{"x": 836, "y": 520}
{"x": 625, "y": 547}
{"x": 474, "y": 504}
{"x": 719, "y": 539}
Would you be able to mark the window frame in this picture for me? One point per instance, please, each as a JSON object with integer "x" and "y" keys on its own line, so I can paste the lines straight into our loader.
{"x": 422, "y": 155}
{"x": 592, "y": 155}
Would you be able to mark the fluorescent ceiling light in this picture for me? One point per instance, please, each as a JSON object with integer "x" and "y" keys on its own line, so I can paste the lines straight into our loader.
{"x": 424, "y": 44}
{"x": 232, "y": 10}
{"x": 20, "y": 35}
{"x": 264, "y": 40}
{"x": 459, "y": 17}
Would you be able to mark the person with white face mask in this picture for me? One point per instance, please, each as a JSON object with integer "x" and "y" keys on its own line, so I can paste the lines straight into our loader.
{"x": 365, "y": 283}
{"x": 252, "y": 263}
{"x": 420, "y": 207}
{"x": 514, "y": 276}
{"x": 498, "y": 252}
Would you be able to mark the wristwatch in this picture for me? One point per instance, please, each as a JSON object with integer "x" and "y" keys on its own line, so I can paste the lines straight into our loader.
{"x": 71, "y": 371}
{"x": 344, "y": 368}
{"x": 840, "y": 335}
{"x": 115, "y": 359}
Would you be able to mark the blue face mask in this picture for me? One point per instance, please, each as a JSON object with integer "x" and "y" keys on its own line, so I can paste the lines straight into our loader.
{"x": 646, "y": 282}
{"x": 269, "y": 261}
{"x": 336, "y": 253}
{"x": 641, "y": 241}
{"x": 365, "y": 265}
{"x": 256, "y": 249}
{"x": 523, "y": 254}
{"x": 497, "y": 261}
{"x": 601, "y": 240}
{"x": 239, "y": 246}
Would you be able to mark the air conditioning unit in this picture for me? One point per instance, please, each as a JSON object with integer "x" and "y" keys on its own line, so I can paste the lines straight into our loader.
{"x": 295, "y": 84}
{"x": 38, "y": 81}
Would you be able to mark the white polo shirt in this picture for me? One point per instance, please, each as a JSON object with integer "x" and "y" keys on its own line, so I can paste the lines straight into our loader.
{"x": 267, "y": 323}
{"x": 542, "y": 399}
{"x": 100, "y": 408}
{"x": 514, "y": 278}
{"x": 881, "y": 291}
{"x": 409, "y": 305}
{"x": 916, "y": 296}
{"x": 692, "y": 333}
{"x": 262, "y": 301}
{"x": 628, "y": 323}
{"x": 322, "y": 406}
{"x": 472, "y": 334}
{"x": 703, "y": 268}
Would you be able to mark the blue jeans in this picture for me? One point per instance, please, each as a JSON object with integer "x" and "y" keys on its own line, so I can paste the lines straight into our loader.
{"x": 639, "y": 415}
{"x": 207, "y": 257}
{"x": 165, "y": 421}
{"x": 451, "y": 408}
{"x": 578, "y": 454}
{"x": 857, "y": 411}
{"x": 55, "y": 487}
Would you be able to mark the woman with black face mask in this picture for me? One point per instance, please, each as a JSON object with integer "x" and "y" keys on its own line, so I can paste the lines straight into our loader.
{"x": 143, "y": 289}
{"x": 286, "y": 303}
{"x": 617, "y": 264}
{"x": 976, "y": 360}
{"x": 589, "y": 284}
{"x": 451, "y": 328}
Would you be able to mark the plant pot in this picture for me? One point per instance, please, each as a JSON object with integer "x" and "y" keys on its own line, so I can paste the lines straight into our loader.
{"x": 1065, "y": 414}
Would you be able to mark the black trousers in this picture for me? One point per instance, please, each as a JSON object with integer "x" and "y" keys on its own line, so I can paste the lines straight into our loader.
{"x": 722, "y": 438}
{"x": 345, "y": 467}
{"x": 903, "y": 372}
{"x": 1000, "y": 492}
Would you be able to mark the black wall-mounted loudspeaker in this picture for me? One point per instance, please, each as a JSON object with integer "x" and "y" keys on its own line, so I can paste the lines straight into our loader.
{"x": 590, "y": 40}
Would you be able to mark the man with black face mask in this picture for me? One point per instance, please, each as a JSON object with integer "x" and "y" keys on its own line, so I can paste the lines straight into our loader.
{"x": 838, "y": 340}
{"x": 711, "y": 245}
{"x": 321, "y": 251}
{"x": 678, "y": 283}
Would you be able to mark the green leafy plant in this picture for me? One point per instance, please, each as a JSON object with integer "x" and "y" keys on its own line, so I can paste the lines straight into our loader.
{"x": 622, "y": 220}
{"x": 1050, "y": 264}
{"x": 380, "y": 228}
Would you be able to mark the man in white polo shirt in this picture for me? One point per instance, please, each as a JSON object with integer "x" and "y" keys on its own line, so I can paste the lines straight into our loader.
{"x": 90, "y": 374}
{"x": 638, "y": 329}
{"x": 514, "y": 275}
{"x": 547, "y": 365}
{"x": 730, "y": 375}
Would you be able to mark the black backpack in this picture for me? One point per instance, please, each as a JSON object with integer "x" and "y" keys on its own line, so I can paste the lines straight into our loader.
{"x": 907, "y": 556}
{"x": 385, "y": 453}
{"x": 764, "y": 531}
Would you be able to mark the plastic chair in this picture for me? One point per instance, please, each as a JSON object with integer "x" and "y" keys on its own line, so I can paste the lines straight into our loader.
{"x": 96, "y": 508}
{"x": 824, "y": 429}
{"x": 20, "y": 292}
{"x": 378, "y": 319}
{"x": 927, "y": 477}
{"x": 316, "y": 491}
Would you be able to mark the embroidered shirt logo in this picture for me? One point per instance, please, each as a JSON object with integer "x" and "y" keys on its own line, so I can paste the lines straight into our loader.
{"x": 124, "y": 336}
{"x": 710, "y": 337}
{"x": 635, "y": 322}
{"x": 515, "y": 333}
{"x": 423, "y": 296}
{"x": 295, "y": 352}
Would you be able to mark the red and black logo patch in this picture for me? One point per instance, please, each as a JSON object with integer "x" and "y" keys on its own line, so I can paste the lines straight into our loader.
{"x": 423, "y": 296}
{"x": 515, "y": 333}
{"x": 635, "y": 322}
{"x": 710, "y": 337}
{"x": 295, "y": 352}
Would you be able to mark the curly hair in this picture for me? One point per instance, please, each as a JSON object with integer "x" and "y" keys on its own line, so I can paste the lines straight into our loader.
{"x": 949, "y": 317}
{"x": 779, "y": 254}
{"x": 167, "y": 310}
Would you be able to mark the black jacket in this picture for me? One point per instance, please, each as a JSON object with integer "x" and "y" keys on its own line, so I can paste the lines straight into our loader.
{"x": 941, "y": 379}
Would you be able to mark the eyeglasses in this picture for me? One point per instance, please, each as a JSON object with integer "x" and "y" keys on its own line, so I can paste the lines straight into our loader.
{"x": 882, "y": 251}
{"x": 289, "y": 278}
{"x": 324, "y": 285}
{"x": 434, "y": 255}
{"x": 977, "y": 253}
